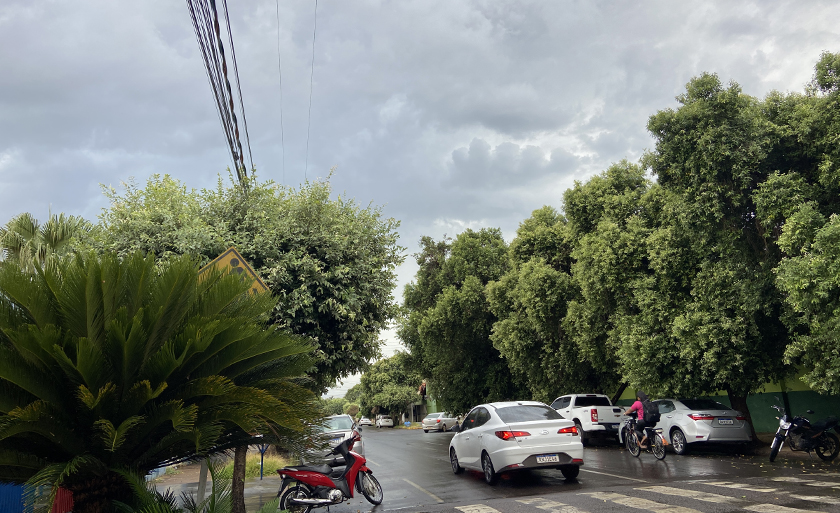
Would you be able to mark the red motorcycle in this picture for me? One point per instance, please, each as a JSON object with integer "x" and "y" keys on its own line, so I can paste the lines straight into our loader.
{"x": 305, "y": 487}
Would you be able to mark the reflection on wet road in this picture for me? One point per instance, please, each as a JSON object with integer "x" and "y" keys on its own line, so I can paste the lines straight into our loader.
{"x": 413, "y": 468}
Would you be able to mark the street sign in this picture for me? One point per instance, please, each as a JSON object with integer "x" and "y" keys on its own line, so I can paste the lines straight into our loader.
{"x": 232, "y": 262}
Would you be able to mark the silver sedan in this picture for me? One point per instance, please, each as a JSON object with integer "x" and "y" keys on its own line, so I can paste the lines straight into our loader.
{"x": 686, "y": 422}
{"x": 440, "y": 421}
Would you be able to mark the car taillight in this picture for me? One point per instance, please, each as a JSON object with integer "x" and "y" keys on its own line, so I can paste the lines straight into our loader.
{"x": 568, "y": 430}
{"x": 701, "y": 416}
{"x": 438, "y": 421}
{"x": 594, "y": 415}
{"x": 507, "y": 435}
{"x": 741, "y": 417}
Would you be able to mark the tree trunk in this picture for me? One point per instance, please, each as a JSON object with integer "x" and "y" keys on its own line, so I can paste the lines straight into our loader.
{"x": 96, "y": 494}
{"x": 621, "y": 390}
{"x": 237, "y": 492}
{"x": 739, "y": 402}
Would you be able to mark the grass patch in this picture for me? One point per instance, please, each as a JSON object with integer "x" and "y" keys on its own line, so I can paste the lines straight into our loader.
{"x": 252, "y": 466}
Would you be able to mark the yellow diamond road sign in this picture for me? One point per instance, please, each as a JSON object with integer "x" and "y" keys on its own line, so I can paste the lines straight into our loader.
{"x": 232, "y": 262}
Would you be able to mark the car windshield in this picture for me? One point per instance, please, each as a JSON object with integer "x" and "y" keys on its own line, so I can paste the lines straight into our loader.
{"x": 337, "y": 423}
{"x": 433, "y": 415}
{"x": 385, "y": 417}
{"x": 591, "y": 401}
{"x": 703, "y": 404}
{"x": 527, "y": 412}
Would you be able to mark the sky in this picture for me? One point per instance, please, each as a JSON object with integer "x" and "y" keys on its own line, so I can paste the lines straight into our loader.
{"x": 447, "y": 114}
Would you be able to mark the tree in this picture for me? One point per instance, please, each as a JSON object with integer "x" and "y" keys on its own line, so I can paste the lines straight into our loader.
{"x": 390, "y": 385}
{"x": 354, "y": 394}
{"x": 448, "y": 321}
{"x": 109, "y": 366}
{"x": 329, "y": 261}
{"x": 333, "y": 405}
{"x": 28, "y": 243}
{"x": 722, "y": 321}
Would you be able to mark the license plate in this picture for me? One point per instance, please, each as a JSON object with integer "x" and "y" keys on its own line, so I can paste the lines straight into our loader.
{"x": 548, "y": 458}
{"x": 336, "y": 441}
{"x": 726, "y": 421}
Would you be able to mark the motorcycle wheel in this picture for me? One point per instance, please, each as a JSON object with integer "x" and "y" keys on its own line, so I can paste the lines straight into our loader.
{"x": 774, "y": 448}
{"x": 632, "y": 444}
{"x": 827, "y": 447}
{"x": 371, "y": 488}
{"x": 294, "y": 492}
{"x": 658, "y": 447}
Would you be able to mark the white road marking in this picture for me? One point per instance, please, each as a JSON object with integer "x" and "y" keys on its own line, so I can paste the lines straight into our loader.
{"x": 775, "y": 508}
{"x": 552, "y": 506}
{"x": 807, "y": 482}
{"x": 694, "y": 494}
{"x": 613, "y": 475}
{"x": 477, "y": 508}
{"x": 430, "y": 494}
{"x": 375, "y": 463}
{"x": 825, "y": 499}
{"x": 637, "y": 503}
{"x": 739, "y": 486}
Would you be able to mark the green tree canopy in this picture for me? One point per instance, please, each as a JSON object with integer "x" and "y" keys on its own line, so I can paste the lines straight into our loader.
{"x": 109, "y": 365}
{"x": 329, "y": 261}
{"x": 390, "y": 385}
{"x": 28, "y": 243}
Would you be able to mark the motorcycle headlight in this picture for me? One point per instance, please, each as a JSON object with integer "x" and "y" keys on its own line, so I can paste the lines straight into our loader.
{"x": 784, "y": 424}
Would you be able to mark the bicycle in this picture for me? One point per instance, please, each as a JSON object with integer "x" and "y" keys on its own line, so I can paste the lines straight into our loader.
{"x": 631, "y": 440}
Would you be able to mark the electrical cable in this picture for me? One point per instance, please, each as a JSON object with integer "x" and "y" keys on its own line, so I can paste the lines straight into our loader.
{"x": 311, "y": 77}
{"x": 280, "y": 72}
{"x": 238, "y": 87}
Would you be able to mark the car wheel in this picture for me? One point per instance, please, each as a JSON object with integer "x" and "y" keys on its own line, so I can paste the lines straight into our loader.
{"x": 490, "y": 475}
{"x": 583, "y": 439}
{"x": 443, "y": 428}
{"x": 678, "y": 441}
{"x": 570, "y": 471}
{"x": 453, "y": 459}
{"x": 425, "y": 430}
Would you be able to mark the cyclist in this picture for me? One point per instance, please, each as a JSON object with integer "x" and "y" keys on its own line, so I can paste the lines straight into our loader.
{"x": 640, "y": 417}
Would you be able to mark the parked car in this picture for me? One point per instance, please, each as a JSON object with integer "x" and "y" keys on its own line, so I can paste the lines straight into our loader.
{"x": 334, "y": 430}
{"x": 593, "y": 414}
{"x": 503, "y": 437}
{"x": 384, "y": 421}
{"x": 364, "y": 421}
{"x": 689, "y": 422}
{"x": 440, "y": 421}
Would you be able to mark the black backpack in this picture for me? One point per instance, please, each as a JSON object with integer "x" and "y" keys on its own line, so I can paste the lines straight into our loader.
{"x": 652, "y": 415}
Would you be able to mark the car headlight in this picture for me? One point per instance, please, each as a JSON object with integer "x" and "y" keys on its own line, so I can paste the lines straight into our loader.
{"x": 784, "y": 424}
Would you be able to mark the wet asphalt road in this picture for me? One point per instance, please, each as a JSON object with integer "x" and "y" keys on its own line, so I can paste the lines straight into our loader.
{"x": 413, "y": 468}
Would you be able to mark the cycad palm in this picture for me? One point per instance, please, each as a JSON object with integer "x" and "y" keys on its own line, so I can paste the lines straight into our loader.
{"x": 130, "y": 365}
{"x": 27, "y": 242}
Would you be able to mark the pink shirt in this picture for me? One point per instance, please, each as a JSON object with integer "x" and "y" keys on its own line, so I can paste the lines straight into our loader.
{"x": 637, "y": 406}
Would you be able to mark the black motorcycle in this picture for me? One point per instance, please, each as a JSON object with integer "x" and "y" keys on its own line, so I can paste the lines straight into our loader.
{"x": 801, "y": 435}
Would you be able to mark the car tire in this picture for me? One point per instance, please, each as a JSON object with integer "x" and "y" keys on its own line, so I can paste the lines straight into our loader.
{"x": 679, "y": 442}
{"x": 443, "y": 428}
{"x": 453, "y": 460}
{"x": 425, "y": 430}
{"x": 570, "y": 472}
{"x": 583, "y": 438}
{"x": 490, "y": 475}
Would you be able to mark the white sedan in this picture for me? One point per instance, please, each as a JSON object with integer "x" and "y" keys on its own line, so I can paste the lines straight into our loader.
{"x": 502, "y": 437}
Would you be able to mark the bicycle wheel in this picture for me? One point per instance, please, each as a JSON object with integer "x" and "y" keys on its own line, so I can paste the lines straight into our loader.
{"x": 371, "y": 488}
{"x": 632, "y": 443}
{"x": 658, "y": 447}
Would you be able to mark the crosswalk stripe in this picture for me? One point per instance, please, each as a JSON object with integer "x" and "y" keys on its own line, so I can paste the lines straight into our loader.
{"x": 638, "y": 503}
{"x": 552, "y": 506}
{"x": 694, "y": 494}
{"x": 738, "y": 486}
{"x": 477, "y": 508}
{"x": 775, "y": 508}
{"x": 825, "y": 499}
{"x": 807, "y": 482}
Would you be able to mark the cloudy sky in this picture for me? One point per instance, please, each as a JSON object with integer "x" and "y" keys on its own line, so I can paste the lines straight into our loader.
{"x": 449, "y": 114}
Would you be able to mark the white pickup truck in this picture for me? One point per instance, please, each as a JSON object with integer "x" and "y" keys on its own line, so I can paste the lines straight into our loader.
{"x": 593, "y": 414}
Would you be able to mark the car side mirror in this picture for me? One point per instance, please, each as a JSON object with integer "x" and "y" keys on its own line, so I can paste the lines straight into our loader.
{"x": 359, "y": 429}
{"x": 455, "y": 429}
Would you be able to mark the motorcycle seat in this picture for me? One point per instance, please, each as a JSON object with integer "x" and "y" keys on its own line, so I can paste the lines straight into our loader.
{"x": 321, "y": 469}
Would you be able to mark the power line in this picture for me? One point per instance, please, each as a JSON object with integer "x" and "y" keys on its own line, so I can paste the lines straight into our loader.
{"x": 280, "y": 72}
{"x": 311, "y": 77}
{"x": 238, "y": 87}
